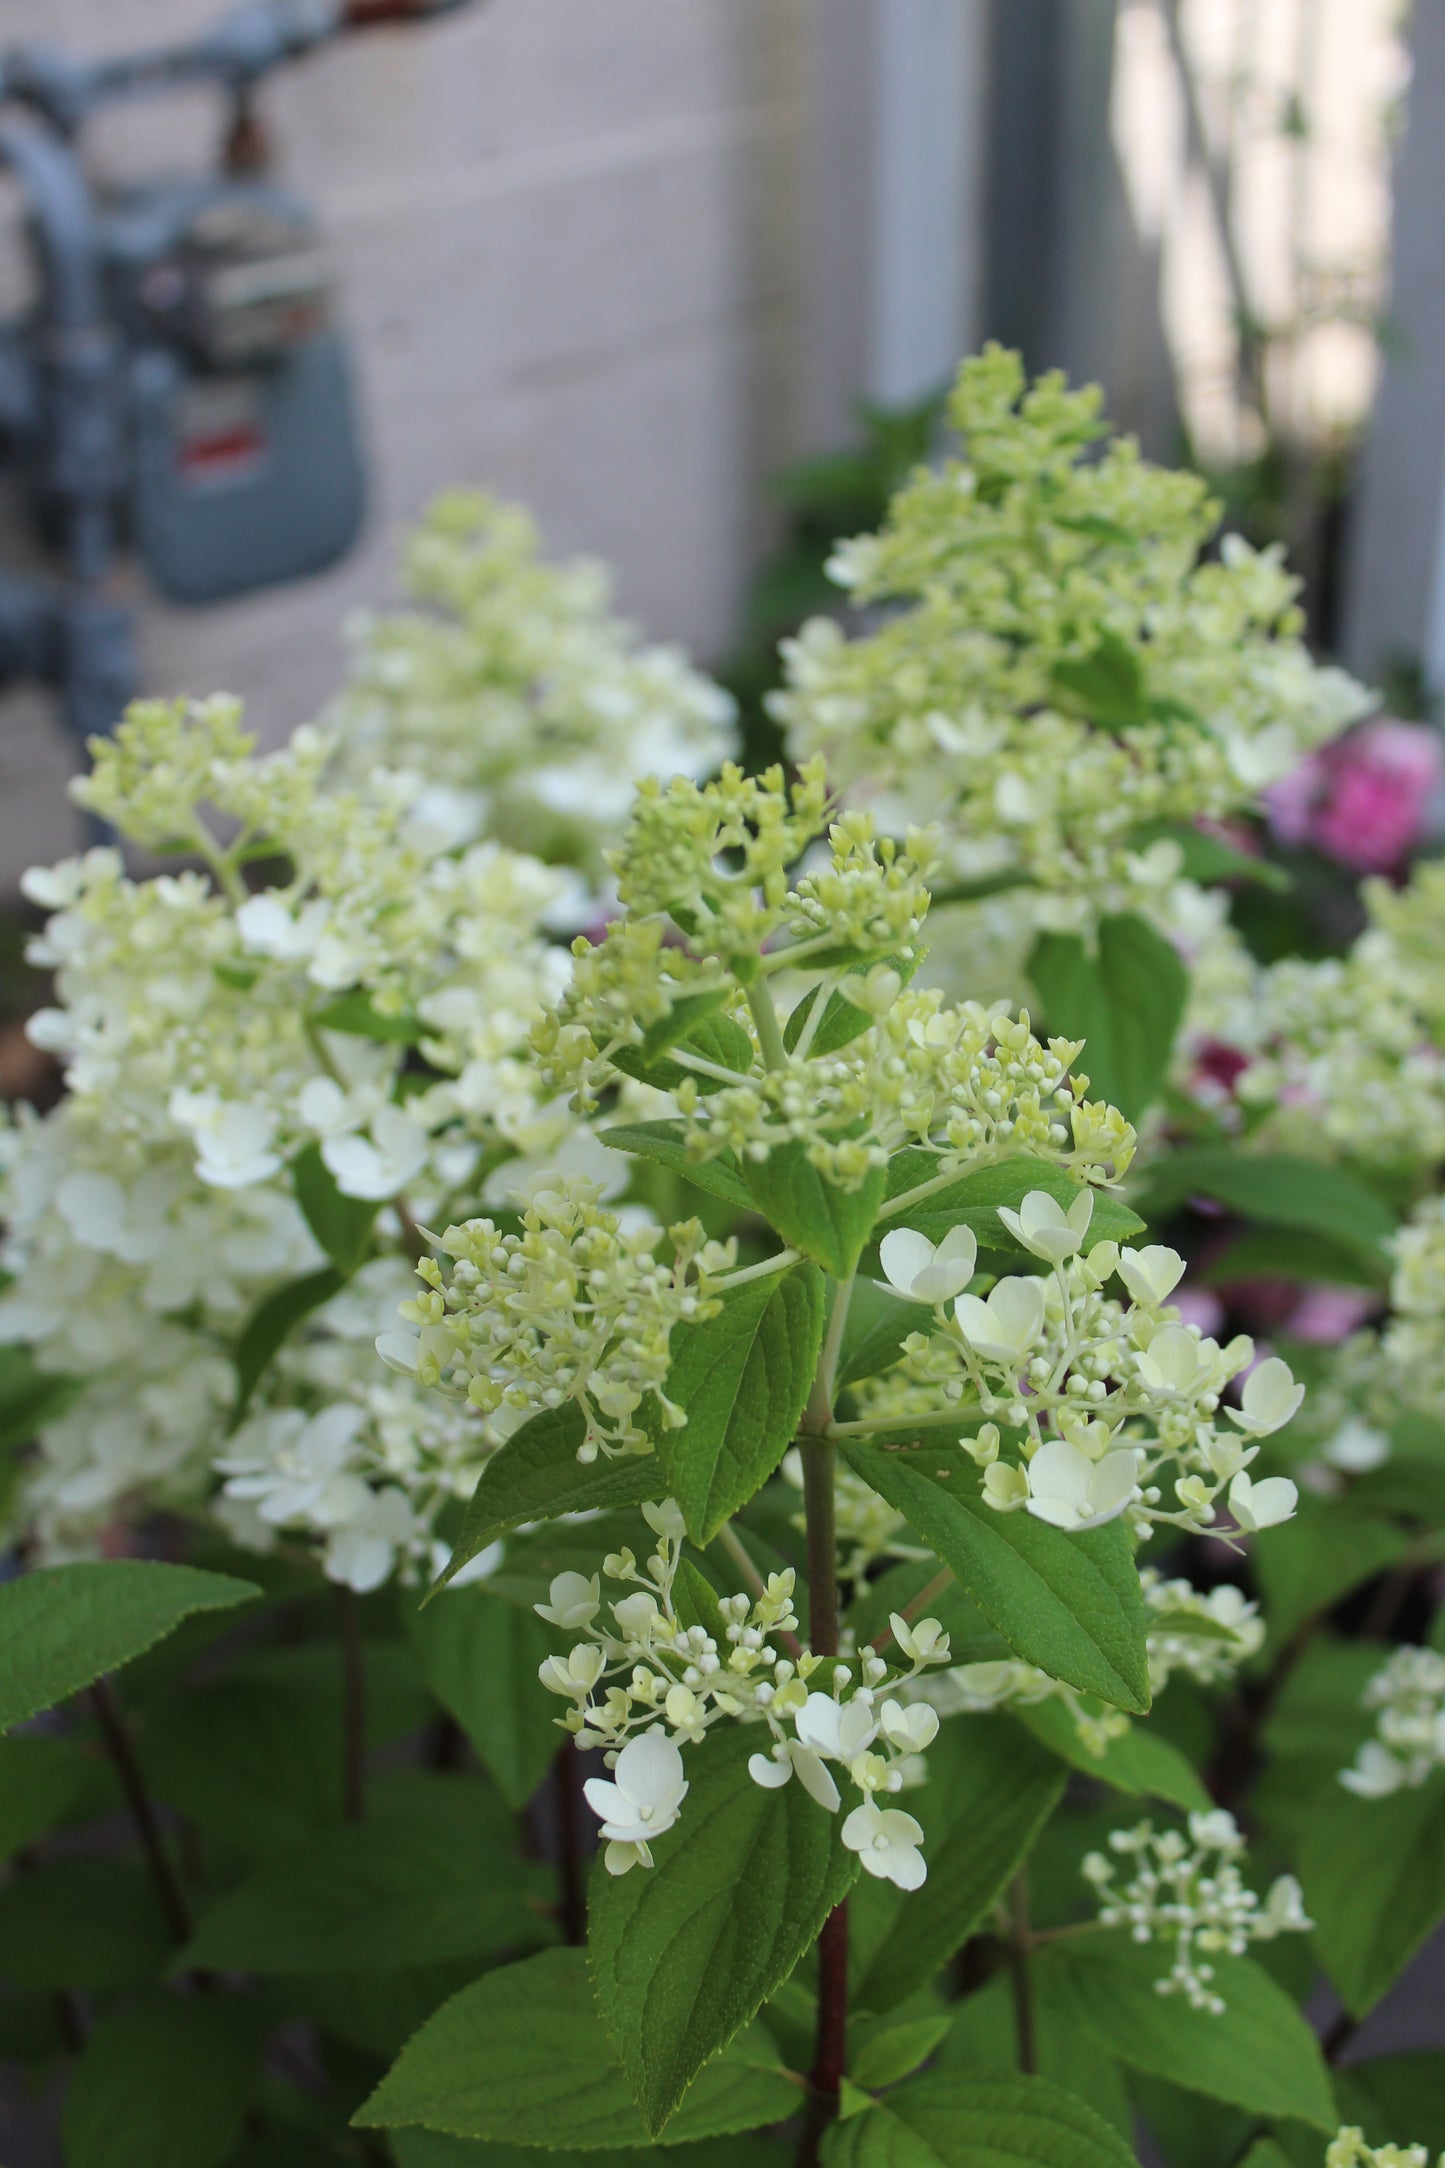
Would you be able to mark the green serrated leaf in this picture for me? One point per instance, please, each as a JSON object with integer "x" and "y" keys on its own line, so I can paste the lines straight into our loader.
{"x": 62, "y": 1626}
{"x": 988, "y": 1795}
{"x": 342, "y": 1225}
{"x": 985, "y": 2037}
{"x": 664, "y": 1142}
{"x": 1126, "y": 1001}
{"x": 163, "y": 2080}
{"x": 536, "y": 1475}
{"x": 1275, "y": 1190}
{"x": 742, "y": 1380}
{"x": 684, "y": 1956}
{"x": 894, "y": 2051}
{"x": 1376, "y": 1882}
{"x": 1069, "y": 1603}
{"x": 828, "y": 1224}
{"x": 1258, "y": 2054}
{"x": 520, "y": 2058}
{"x": 413, "y": 1885}
{"x": 272, "y": 1322}
{"x": 1139, "y": 1761}
{"x": 480, "y": 1656}
{"x": 964, "y": 2119}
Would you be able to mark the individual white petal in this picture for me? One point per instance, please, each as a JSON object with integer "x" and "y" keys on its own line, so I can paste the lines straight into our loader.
{"x": 1152, "y": 1274}
{"x": 1264, "y": 1504}
{"x": 772, "y": 1775}
{"x": 1170, "y": 1363}
{"x": 1269, "y": 1399}
{"x": 817, "y": 1725}
{"x": 952, "y": 1267}
{"x": 649, "y": 1773}
{"x": 573, "y": 1600}
{"x": 903, "y": 1254}
{"x": 814, "y": 1776}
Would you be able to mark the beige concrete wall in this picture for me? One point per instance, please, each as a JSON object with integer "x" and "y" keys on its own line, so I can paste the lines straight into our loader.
{"x": 569, "y": 236}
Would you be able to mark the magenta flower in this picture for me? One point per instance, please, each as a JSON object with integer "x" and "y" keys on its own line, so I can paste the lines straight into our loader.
{"x": 1366, "y": 800}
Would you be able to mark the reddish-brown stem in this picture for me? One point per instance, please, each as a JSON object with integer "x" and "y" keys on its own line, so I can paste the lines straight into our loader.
{"x": 567, "y": 1791}
{"x": 830, "y": 2050}
{"x": 830, "y": 2047}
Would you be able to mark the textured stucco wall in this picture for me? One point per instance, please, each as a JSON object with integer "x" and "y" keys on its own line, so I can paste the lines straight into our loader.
{"x": 570, "y": 243}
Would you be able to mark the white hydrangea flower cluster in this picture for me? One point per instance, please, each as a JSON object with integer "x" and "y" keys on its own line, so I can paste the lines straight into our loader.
{"x": 1342, "y": 1056}
{"x": 1347, "y": 2149}
{"x": 1057, "y": 671}
{"x": 370, "y": 1006}
{"x": 647, "y": 1681}
{"x": 252, "y": 1021}
{"x": 1099, "y": 1397}
{"x": 578, "y": 1306}
{"x": 357, "y": 1459}
{"x": 523, "y": 708}
{"x": 1409, "y": 1746}
{"x": 1412, "y": 1345}
{"x": 1190, "y": 1893}
{"x": 1205, "y": 1635}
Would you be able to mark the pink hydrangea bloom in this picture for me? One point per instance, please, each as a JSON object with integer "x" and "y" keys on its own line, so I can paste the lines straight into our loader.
{"x": 1364, "y": 801}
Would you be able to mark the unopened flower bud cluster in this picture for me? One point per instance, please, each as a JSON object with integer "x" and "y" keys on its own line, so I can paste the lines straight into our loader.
{"x": 578, "y": 1306}
{"x": 1058, "y": 667}
{"x": 1188, "y": 1893}
{"x": 1347, "y": 2149}
{"x": 1408, "y": 1693}
{"x": 706, "y": 938}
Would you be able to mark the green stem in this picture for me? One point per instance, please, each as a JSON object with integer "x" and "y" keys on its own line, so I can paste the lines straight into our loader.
{"x": 955, "y": 1416}
{"x": 765, "y": 1017}
{"x": 780, "y": 1263}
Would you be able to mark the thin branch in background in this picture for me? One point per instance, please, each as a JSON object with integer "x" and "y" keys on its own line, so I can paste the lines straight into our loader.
{"x": 1020, "y": 1951}
{"x": 353, "y": 1721}
{"x": 119, "y": 1746}
{"x": 1250, "y": 329}
{"x": 732, "y": 1543}
{"x": 571, "y": 1871}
